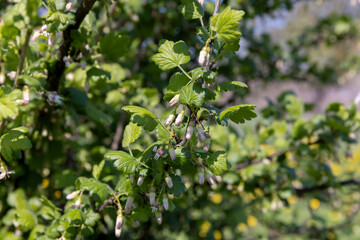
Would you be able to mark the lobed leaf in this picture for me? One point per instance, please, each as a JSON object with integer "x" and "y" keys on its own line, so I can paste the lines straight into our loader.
{"x": 239, "y": 114}
{"x": 171, "y": 54}
{"x": 132, "y": 132}
{"x": 225, "y": 24}
{"x": 191, "y": 9}
{"x": 123, "y": 161}
{"x": 142, "y": 117}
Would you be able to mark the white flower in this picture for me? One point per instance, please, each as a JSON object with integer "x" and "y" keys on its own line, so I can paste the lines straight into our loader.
{"x": 36, "y": 35}
{"x": 201, "y": 178}
{"x": 158, "y": 217}
{"x": 207, "y": 144}
{"x": 169, "y": 120}
{"x": 119, "y": 220}
{"x": 152, "y": 196}
{"x": 140, "y": 181}
{"x": 201, "y": 133}
{"x": 169, "y": 182}
{"x": 51, "y": 39}
{"x": 44, "y": 28}
{"x": 72, "y": 195}
{"x": 166, "y": 203}
{"x": 189, "y": 130}
{"x": 12, "y": 75}
{"x": 179, "y": 118}
{"x": 172, "y": 153}
{"x": 204, "y": 56}
{"x": 209, "y": 179}
{"x": 174, "y": 100}
{"x": 128, "y": 204}
{"x": 117, "y": 232}
{"x": 26, "y": 95}
{"x": 68, "y": 6}
{"x": 154, "y": 149}
{"x": 77, "y": 204}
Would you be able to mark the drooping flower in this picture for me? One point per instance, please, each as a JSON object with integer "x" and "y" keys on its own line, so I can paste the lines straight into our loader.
{"x": 179, "y": 118}
{"x": 174, "y": 100}
{"x": 172, "y": 153}
{"x": 204, "y": 56}
{"x": 169, "y": 120}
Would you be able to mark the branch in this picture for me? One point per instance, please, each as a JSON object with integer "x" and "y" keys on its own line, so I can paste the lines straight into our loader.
{"x": 22, "y": 57}
{"x": 302, "y": 191}
{"x": 216, "y": 7}
{"x": 119, "y": 133}
{"x": 247, "y": 164}
{"x": 55, "y": 72}
{"x": 107, "y": 203}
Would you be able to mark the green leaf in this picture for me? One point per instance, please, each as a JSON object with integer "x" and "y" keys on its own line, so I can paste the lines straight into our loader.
{"x": 113, "y": 47}
{"x": 141, "y": 214}
{"x": 230, "y": 86}
{"x": 226, "y": 23}
{"x": 191, "y": 9}
{"x": 97, "y": 169}
{"x": 132, "y": 132}
{"x": 178, "y": 186}
{"x": 190, "y": 95}
{"x": 8, "y": 105}
{"x": 217, "y": 162}
{"x": 74, "y": 217}
{"x": 14, "y": 141}
{"x": 91, "y": 218}
{"x": 239, "y": 114}
{"x": 121, "y": 184}
{"x": 177, "y": 81}
{"x": 97, "y": 74}
{"x": 98, "y": 191}
{"x": 171, "y": 55}
{"x": 162, "y": 133}
{"x": 230, "y": 48}
{"x": 124, "y": 162}
{"x": 26, "y": 219}
{"x": 142, "y": 117}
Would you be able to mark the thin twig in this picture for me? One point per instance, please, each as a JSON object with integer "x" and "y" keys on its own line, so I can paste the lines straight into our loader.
{"x": 22, "y": 57}
{"x": 216, "y": 7}
{"x": 119, "y": 132}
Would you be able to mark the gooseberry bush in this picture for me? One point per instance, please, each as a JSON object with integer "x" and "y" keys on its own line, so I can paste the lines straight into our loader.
{"x": 90, "y": 150}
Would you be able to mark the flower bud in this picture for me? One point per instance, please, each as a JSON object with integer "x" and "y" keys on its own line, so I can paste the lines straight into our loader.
{"x": 72, "y": 195}
{"x": 119, "y": 220}
{"x": 77, "y": 204}
{"x": 152, "y": 196}
{"x": 128, "y": 204}
{"x": 158, "y": 216}
{"x": 179, "y": 118}
{"x": 26, "y": 95}
{"x": 201, "y": 2}
{"x": 169, "y": 182}
{"x": 169, "y": 120}
{"x": 140, "y": 181}
{"x": 159, "y": 153}
{"x": 201, "y": 133}
{"x": 218, "y": 179}
{"x": 189, "y": 130}
{"x": 68, "y": 6}
{"x": 204, "y": 56}
{"x": 209, "y": 179}
{"x": 201, "y": 178}
{"x": 44, "y": 28}
{"x": 174, "y": 100}
{"x": 36, "y": 35}
{"x": 166, "y": 203}
{"x": 117, "y": 232}
{"x": 51, "y": 39}
{"x": 2, "y": 175}
{"x": 154, "y": 149}
{"x": 207, "y": 144}
{"x": 12, "y": 75}
{"x": 172, "y": 153}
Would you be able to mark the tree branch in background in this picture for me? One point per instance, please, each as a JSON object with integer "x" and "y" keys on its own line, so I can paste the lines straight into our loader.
{"x": 302, "y": 191}
{"x": 22, "y": 57}
{"x": 119, "y": 132}
{"x": 55, "y": 72}
{"x": 216, "y": 7}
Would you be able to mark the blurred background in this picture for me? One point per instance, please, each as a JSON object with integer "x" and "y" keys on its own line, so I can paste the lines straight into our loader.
{"x": 295, "y": 168}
